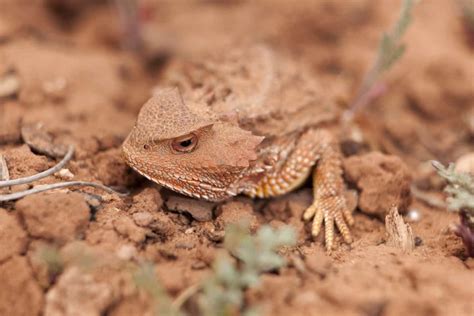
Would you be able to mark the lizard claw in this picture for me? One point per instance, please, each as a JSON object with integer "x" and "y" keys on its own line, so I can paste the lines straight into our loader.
{"x": 334, "y": 212}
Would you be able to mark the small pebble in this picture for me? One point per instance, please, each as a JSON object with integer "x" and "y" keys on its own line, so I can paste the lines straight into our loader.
{"x": 142, "y": 219}
{"x": 65, "y": 174}
{"x": 9, "y": 84}
{"x": 185, "y": 245}
{"x": 126, "y": 252}
{"x": 418, "y": 241}
{"x": 55, "y": 88}
{"x": 215, "y": 236}
{"x": 413, "y": 216}
{"x": 198, "y": 265}
{"x": 190, "y": 230}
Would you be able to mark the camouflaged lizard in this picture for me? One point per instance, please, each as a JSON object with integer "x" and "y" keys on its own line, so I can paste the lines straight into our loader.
{"x": 243, "y": 122}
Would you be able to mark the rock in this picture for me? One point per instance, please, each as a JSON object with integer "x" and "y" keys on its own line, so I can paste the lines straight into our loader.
{"x": 59, "y": 217}
{"x": 148, "y": 200}
{"x": 126, "y": 252}
{"x": 235, "y": 212}
{"x": 112, "y": 170}
{"x": 40, "y": 141}
{"x": 22, "y": 162}
{"x": 142, "y": 218}
{"x": 20, "y": 294}
{"x": 78, "y": 293}
{"x": 13, "y": 238}
{"x": 163, "y": 225}
{"x": 126, "y": 227}
{"x": 9, "y": 84}
{"x": 201, "y": 211}
{"x": 383, "y": 181}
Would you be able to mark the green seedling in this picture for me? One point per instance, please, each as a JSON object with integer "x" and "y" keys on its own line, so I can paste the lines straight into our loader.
{"x": 390, "y": 50}
{"x": 53, "y": 260}
{"x": 460, "y": 189}
{"x": 223, "y": 291}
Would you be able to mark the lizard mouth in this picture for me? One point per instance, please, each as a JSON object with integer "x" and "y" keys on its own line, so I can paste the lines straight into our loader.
{"x": 185, "y": 186}
{"x": 191, "y": 188}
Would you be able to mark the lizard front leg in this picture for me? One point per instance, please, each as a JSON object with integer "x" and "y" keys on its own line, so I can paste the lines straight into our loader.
{"x": 329, "y": 204}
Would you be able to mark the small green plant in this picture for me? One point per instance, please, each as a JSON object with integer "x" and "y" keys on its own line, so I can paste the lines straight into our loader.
{"x": 461, "y": 199}
{"x": 390, "y": 50}
{"x": 145, "y": 279}
{"x": 53, "y": 260}
{"x": 223, "y": 292}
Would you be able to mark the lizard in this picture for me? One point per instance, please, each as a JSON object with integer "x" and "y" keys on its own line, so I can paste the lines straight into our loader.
{"x": 249, "y": 122}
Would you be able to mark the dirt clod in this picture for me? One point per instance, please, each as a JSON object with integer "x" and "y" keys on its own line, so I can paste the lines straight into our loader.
{"x": 19, "y": 292}
{"x": 201, "y": 211}
{"x": 236, "y": 212}
{"x": 41, "y": 141}
{"x": 22, "y": 162}
{"x": 59, "y": 217}
{"x": 12, "y": 236}
{"x": 383, "y": 180}
{"x": 77, "y": 293}
{"x": 126, "y": 227}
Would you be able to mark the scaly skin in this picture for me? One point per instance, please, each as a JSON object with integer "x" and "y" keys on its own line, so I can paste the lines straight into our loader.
{"x": 329, "y": 205}
{"x": 183, "y": 141}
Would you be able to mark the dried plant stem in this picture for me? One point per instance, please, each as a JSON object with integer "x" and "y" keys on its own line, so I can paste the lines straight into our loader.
{"x": 390, "y": 50}
{"x": 400, "y": 234}
{"x": 43, "y": 174}
{"x": 129, "y": 20}
{"x": 47, "y": 187}
{"x": 4, "y": 174}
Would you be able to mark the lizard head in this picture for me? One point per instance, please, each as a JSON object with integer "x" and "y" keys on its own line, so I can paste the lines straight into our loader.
{"x": 186, "y": 152}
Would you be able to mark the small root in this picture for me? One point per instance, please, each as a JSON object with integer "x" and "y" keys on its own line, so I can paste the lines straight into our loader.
{"x": 47, "y": 187}
{"x": 41, "y": 175}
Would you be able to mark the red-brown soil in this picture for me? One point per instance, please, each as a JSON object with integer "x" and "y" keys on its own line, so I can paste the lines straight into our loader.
{"x": 75, "y": 78}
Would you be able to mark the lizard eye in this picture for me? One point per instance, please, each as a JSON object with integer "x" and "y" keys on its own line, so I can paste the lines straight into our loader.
{"x": 184, "y": 144}
{"x": 146, "y": 147}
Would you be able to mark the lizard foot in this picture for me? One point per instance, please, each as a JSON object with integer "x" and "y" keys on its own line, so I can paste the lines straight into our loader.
{"x": 334, "y": 212}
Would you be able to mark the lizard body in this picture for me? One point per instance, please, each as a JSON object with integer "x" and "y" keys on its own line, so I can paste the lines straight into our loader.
{"x": 243, "y": 122}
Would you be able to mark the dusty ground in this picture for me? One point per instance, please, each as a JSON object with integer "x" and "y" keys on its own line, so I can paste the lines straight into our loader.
{"x": 77, "y": 81}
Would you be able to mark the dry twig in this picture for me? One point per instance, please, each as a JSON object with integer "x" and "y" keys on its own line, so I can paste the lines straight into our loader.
{"x": 47, "y": 187}
{"x": 4, "y": 174}
{"x": 399, "y": 233}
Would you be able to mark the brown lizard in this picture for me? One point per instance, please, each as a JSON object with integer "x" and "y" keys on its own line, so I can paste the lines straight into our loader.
{"x": 243, "y": 122}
